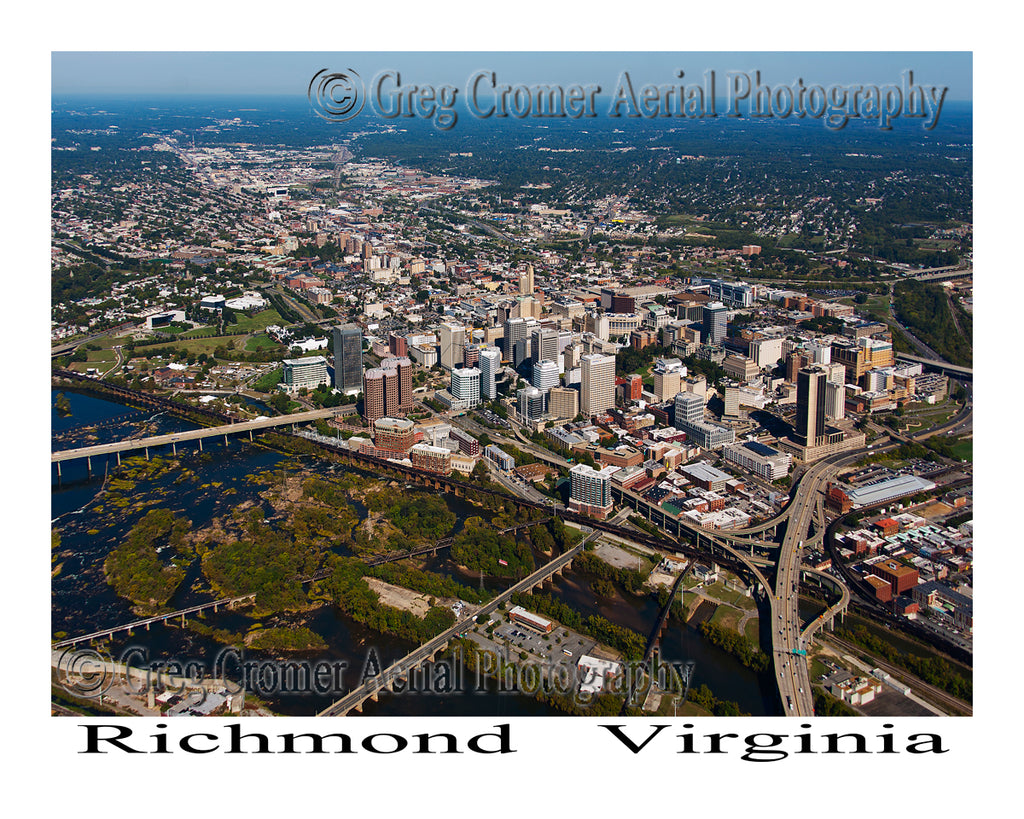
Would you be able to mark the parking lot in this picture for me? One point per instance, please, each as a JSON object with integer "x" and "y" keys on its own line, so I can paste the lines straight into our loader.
{"x": 510, "y": 640}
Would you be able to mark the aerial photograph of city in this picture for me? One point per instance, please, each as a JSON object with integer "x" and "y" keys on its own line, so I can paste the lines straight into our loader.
{"x": 514, "y": 385}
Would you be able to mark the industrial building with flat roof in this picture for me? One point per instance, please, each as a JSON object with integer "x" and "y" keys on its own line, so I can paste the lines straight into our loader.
{"x": 889, "y": 489}
{"x": 761, "y": 460}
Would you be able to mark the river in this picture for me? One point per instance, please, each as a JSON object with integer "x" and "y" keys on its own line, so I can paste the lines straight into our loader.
{"x": 83, "y": 602}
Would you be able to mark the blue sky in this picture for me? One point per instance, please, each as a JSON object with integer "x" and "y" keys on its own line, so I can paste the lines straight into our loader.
{"x": 153, "y": 72}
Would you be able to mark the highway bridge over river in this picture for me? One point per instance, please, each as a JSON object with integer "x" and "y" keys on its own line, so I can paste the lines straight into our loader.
{"x": 175, "y": 438}
{"x": 803, "y": 512}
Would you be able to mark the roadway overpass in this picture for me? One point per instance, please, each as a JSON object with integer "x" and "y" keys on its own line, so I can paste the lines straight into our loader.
{"x": 943, "y": 367}
{"x": 943, "y": 274}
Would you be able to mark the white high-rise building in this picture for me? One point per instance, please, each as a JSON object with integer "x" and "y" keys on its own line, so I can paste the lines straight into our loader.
{"x": 597, "y": 383}
{"x": 490, "y": 364}
{"x": 835, "y": 401}
{"x": 466, "y": 385}
{"x": 590, "y": 490}
{"x": 545, "y": 375}
{"x": 531, "y": 404}
{"x": 689, "y": 408}
{"x": 452, "y": 341}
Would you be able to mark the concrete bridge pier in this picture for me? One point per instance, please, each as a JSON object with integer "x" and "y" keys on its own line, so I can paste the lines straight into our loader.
{"x": 225, "y": 439}
{"x": 147, "y": 453}
{"x": 118, "y": 458}
{"x": 88, "y": 465}
{"x": 59, "y": 476}
{"x": 200, "y": 444}
{"x": 174, "y": 448}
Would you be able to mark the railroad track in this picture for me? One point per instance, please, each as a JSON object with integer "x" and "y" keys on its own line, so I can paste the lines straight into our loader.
{"x": 939, "y": 696}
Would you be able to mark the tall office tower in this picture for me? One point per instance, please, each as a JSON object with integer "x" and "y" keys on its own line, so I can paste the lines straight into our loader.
{"x": 835, "y": 400}
{"x": 599, "y": 325}
{"x": 794, "y": 362}
{"x": 597, "y": 383}
{"x": 402, "y": 366}
{"x": 466, "y": 385}
{"x": 391, "y": 391}
{"x": 715, "y": 323}
{"x": 521, "y": 351}
{"x": 490, "y": 363}
{"x": 563, "y": 402}
{"x": 453, "y": 340}
{"x": 810, "y": 406}
{"x": 531, "y": 404}
{"x": 398, "y": 344}
{"x": 545, "y": 375}
{"x": 526, "y": 281}
{"x": 471, "y": 355}
{"x": 373, "y": 395}
{"x": 689, "y": 409}
{"x": 544, "y": 344}
{"x": 367, "y": 250}
{"x": 348, "y": 358}
{"x": 731, "y": 399}
{"x": 515, "y": 330}
{"x": 667, "y": 382}
{"x": 635, "y": 387}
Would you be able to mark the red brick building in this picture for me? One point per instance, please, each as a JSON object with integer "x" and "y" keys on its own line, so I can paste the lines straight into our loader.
{"x": 886, "y": 526}
{"x": 900, "y": 578}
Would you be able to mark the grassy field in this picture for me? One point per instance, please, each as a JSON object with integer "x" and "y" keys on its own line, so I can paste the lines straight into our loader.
{"x": 964, "y": 450}
{"x": 204, "y": 345}
{"x": 726, "y": 617}
{"x": 257, "y": 321}
{"x": 260, "y": 342}
{"x": 267, "y": 382}
{"x": 928, "y": 416}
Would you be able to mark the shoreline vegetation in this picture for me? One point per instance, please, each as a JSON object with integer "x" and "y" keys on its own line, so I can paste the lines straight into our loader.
{"x": 315, "y": 518}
